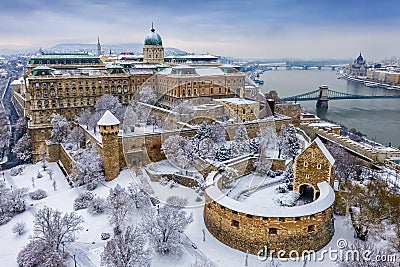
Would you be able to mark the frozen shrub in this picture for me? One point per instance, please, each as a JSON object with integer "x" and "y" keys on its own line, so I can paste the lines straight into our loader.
{"x": 271, "y": 173}
{"x": 19, "y": 228}
{"x": 164, "y": 180}
{"x": 198, "y": 198}
{"x": 38, "y": 194}
{"x": 96, "y": 206}
{"x": 282, "y": 188}
{"x": 278, "y": 172}
{"x": 83, "y": 200}
{"x": 288, "y": 199}
{"x": 17, "y": 170}
{"x": 39, "y": 175}
{"x": 4, "y": 218}
{"x": 173, "y": 184}
{"x": 105, "y": 236}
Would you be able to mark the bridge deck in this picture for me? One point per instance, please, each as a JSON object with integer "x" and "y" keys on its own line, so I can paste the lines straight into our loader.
{"x": 334, "y": 95}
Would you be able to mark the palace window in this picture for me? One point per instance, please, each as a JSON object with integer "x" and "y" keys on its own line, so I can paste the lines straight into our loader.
{"x": 272, "y": 231}
{"x": 311, "y": 229}
{"x": 195, "y": 91}
{"x": 319, "y": 166}
{"x": 281, "y": 219}
{"x": 219, "y": 90}
{"x": 305, "y": 163}
{"x": 307, "y": 176}
{"x": 244, "y": 111}
{"x": 211, "y": 90}
{"x": 203, "y": 90}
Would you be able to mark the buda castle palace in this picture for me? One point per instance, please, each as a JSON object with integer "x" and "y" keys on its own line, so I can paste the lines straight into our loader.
{"x": 67, "y": 84}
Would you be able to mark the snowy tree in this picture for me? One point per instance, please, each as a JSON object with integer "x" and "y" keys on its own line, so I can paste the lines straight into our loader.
{"x": 131, "y": 118}
{"x": 240, "y": 144}
{"x": 5, "y": 133}
{"x": 127, "y": 249}
{"x": 17, "y": 198}
{"x": 266, "y": 139}
{"x": 19, "y": 228}
{"x": 59, "y": 129}
{"x": 165, "y": 228}
{"x": 6, "y": 203}
{"x": 39, "y": 253}
{"x": 111, "y": 103}
{"x": 119, "y": 204}
{"x": 291, "y": 143}
{"x": 346, "y": 165}
{"x": 97, "y": 206}
{"x": 82, "y": 200}
{"x": 75, "y": 136}
{"x": 92, "y": 123}
{"x": 178, "y": 150}
{"x": 23, "y": 148}
{"x": 84, "y": 117}
{"x": 223, "y": 153}
{"x": 152, "y": 120}
{"x": 355, "y": 255}
{"x": 88, "y": 168}
{"x": 50, "y": 172}
{"x": 52, "y": 227}
{"x": 217, "y": 133}
{"x": 21, "y": 125}
{"x": 147, "y": 95}
{"x": 184, "y": 110}
{"x": 255, "y": 145}
{"x": 201, "y": 133}
{"x": 368, "y": 207}
{"x": 207, "y": 149}
{"x": 138, "y": 196}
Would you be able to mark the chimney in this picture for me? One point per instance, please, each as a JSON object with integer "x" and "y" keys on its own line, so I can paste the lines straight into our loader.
{"x": 271, "y": 104}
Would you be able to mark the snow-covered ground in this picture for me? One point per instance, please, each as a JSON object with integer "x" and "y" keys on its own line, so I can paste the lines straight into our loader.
{"x": 89, "y": 246}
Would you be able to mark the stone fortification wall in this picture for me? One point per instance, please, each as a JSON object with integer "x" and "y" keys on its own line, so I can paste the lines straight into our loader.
{"x": 250, "y": 233}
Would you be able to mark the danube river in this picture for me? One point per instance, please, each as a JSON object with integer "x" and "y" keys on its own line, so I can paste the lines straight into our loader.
{"x": 379, "y": 119}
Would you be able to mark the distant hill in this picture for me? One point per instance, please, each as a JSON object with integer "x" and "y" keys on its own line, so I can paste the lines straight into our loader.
{"x": 137, "y": 48}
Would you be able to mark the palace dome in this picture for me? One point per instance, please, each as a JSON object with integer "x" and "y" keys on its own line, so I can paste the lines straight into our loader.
{"x": 153, "y": 38}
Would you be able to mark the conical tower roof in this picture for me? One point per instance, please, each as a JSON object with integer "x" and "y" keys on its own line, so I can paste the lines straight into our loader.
{"x": 108, "y": 119}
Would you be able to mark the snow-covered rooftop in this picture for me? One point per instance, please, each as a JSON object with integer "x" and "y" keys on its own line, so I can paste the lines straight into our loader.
{"x": 108, "y": 119}
{"x": 324, "y": 150}
{"x": 324, "y": 201}
{"x": 237, "y": 101}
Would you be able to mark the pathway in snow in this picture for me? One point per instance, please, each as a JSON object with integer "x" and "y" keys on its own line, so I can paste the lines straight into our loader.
{"x": 80, "y": 251}
{"x": 195, "y": 252}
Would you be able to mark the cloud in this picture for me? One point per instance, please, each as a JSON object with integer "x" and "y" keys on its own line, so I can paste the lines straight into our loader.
{"x": 253, "y": 28}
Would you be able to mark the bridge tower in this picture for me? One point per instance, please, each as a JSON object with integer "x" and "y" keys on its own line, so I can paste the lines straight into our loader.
{"x": 323, "y": 99}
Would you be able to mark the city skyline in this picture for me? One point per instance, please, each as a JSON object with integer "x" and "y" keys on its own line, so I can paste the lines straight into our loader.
{"x": 242, "y": 29}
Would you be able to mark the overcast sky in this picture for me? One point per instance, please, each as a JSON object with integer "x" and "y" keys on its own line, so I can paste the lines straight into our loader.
{"x": 246, "y": 29}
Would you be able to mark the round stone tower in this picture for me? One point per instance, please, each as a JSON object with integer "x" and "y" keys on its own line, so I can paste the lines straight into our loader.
{"x": 109, "y": 128}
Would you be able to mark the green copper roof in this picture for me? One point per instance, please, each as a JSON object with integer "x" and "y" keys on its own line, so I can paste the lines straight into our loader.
{"x": 153, "y": 38}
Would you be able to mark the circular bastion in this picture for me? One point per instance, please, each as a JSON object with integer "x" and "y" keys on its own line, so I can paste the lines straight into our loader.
{"x": 251, "y": 229}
